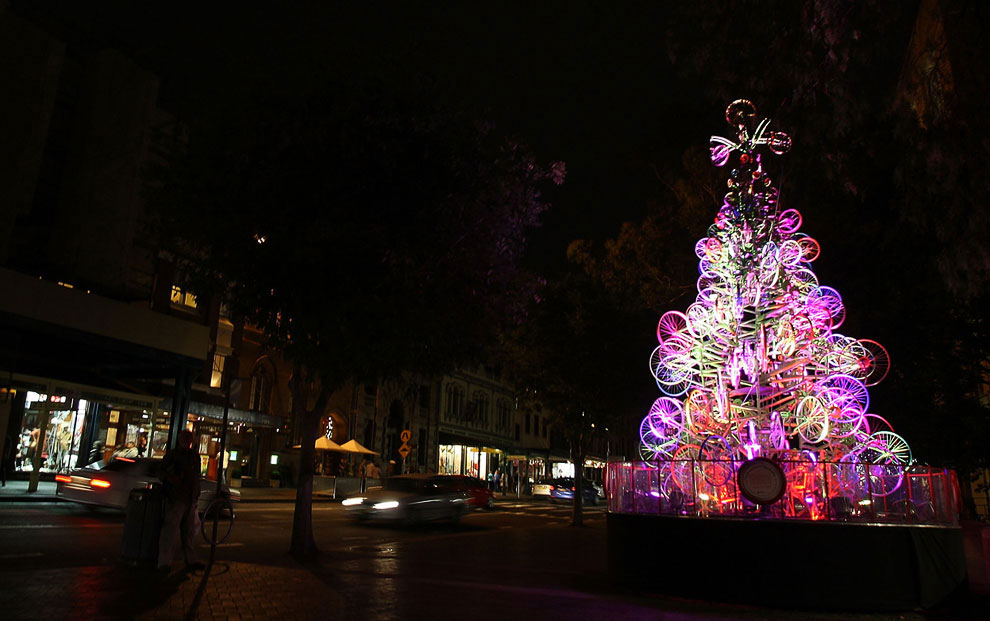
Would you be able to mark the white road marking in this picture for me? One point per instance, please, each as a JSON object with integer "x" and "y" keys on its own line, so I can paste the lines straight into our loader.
{"x": 22, "y": 555}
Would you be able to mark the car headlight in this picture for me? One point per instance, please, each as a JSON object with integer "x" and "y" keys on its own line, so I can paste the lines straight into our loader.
{"x": 390, "y": 504}
{"x": 347, "y": 502}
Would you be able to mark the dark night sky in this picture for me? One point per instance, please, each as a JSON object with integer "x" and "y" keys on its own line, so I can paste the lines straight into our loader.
{"x": 589, "y": 85}
{"x": 600, "y": 87}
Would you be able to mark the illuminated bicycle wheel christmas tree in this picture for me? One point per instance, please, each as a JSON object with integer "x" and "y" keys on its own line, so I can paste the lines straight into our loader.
{"x": 756, "y": 367}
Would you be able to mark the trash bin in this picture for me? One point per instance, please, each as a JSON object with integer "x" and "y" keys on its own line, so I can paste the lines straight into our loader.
{"x": 142, "y": 526}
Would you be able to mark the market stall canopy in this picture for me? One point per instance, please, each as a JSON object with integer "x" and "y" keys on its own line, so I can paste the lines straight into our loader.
{"x": 353, "y": 446}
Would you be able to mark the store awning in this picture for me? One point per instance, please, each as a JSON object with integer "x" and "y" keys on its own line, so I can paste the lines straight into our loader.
{"x": 234, "y": 415}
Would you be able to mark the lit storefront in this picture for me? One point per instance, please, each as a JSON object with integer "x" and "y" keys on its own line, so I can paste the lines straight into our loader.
{"x": 474, "y": 461}
{"x": 72, "y": 426}
{"x": 249, "y": 445}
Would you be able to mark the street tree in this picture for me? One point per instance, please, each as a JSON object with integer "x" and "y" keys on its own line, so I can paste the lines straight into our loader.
{"x": 365, "y": 234}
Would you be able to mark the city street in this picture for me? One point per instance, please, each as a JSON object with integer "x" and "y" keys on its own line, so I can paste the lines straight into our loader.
{"x": 59, "y": 560}
{"x": 32, "y": 536}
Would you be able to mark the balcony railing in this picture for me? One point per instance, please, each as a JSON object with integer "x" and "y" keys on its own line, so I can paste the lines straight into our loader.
{"x": 844, "y": 491}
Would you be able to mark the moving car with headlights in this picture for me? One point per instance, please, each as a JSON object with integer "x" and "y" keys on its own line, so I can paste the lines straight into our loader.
{"x": 110, "y": 484}
{"x": 410, "y": 499}
{"x": 563, "y": 489}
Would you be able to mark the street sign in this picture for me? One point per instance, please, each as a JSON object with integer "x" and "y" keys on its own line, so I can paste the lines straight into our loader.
{"x": 404, "y": 450}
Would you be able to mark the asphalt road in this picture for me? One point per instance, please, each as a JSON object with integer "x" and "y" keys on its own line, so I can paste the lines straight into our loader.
{"x": 38, "y": 535}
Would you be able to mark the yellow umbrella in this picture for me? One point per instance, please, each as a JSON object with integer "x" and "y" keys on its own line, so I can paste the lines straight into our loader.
{"x": 324, "y": 443}
{"x": 353, "y": 446}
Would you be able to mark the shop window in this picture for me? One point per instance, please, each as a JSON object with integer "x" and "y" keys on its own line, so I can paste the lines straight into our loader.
{"x": 63, "y": 433}
{"x": 181, "y": 297}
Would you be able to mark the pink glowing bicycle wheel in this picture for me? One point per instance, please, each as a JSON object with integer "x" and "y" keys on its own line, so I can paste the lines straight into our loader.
{"x": 672, "y": 330}
{"x": 789, "y": 221}
{"x": 875, "y": 363}
{"x": 810, "y": 249}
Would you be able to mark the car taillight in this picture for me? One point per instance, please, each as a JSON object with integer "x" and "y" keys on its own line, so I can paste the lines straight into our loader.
{"x": 552, "y": 488}
{"x": 102, "y": 483}
{"x": 61, "y": 478}
{"x": 573, "y": 488}
{"x": 127, "y": 459}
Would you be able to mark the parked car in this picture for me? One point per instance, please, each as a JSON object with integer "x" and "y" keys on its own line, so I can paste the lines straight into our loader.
{"x": 478, "y": 493}
{"x": 410, "y": 499}
{"x": 563, "y": 489}
{"x": 110, "y": 484}
{"x": 543, "y": 488}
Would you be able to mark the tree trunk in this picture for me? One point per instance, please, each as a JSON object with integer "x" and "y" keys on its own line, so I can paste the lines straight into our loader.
{"x": 303, "y": 544}
{"x": 577, "y": 457}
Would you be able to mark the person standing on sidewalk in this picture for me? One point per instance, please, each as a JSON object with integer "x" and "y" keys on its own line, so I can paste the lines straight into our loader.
{"x": 364, "y": 474}
{"x": 180, "y": 474}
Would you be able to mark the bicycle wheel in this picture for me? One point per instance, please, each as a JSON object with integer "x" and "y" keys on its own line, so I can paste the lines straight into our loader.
{"x": 789, "y": 221}
{"x": 889, "y": 447}
{"x": 875, "y": 363}
{"x": 715, "y": 460}
{"x": 220, "y": 511}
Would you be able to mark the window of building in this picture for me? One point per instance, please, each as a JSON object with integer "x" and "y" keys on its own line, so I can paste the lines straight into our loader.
{"x": 517, "y": 432}
{"x": 480, "y": 407}
{"x": 261, "y": 389}
{"x": 503, "y": 415}
{"x": 545, "y": 429}
{"x": 424, "y": 396}
{"x": 421, "y": 449}
{"x": 216, "y": 378}
{"x": 527, "y": 424}
{"x": 180, "y": 297}
{"x": 536, "y": 425}
{"x": 455, "y": 402}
